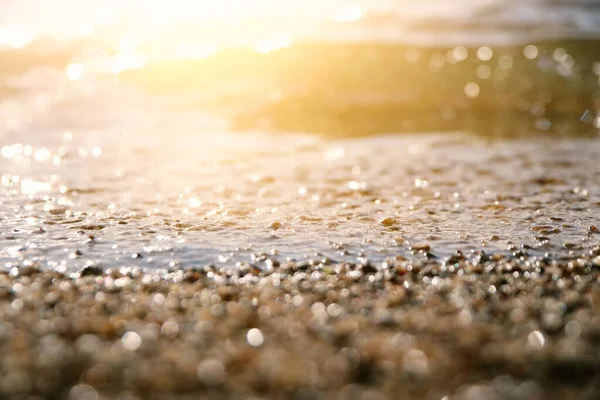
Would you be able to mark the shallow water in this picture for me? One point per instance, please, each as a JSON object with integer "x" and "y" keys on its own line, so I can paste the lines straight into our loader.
{"x": 163, "y": 187}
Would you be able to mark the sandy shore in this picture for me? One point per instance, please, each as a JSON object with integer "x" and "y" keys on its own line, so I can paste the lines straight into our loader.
{"x": 469, "y": 326}
{"x": 419, "y": 268}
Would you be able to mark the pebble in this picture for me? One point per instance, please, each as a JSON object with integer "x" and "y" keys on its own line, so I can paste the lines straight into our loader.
{"x": 276, "y": 225}
{"x": 420, "y": 247}
{"x": 212, "y": 330}
{"x": 90, "y": 270}
{"x": 255, "y": 337}
{"x": 388, "y": 221}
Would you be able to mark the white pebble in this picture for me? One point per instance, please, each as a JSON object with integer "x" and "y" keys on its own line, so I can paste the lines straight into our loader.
{"x": 131, "y": 341}
{"x": 255, "y": 337}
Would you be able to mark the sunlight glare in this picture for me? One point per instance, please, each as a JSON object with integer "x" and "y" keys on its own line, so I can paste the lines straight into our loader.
{"x": 270, "y": 45}
{"x": 351, "y": 13}
{"x": 127, "y": 45}
{"x": 86, "y": 30}
{"x": 31, "y": 187}
{"x": 196, "y": 51}
{"x": 74, "y": 71}
{"x": 127, "y": 61}
{"x": 16, "y": 36}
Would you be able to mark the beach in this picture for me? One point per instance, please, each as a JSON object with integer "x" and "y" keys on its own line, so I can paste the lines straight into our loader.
{"x": 440, "y": 265}
{"x": 392, "y": 202}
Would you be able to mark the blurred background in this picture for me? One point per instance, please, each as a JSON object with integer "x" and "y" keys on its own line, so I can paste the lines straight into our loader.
{"x": 333, "y": 67}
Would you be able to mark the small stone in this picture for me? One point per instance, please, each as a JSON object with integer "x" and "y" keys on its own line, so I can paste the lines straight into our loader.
{"x": 399, "y": 240}
{"x": 420, "y": 247}
{"x": 170, "y": 330}
{"x": 255, "y": 337}
{"x": 131, "y": 341}
{"x": 255, "y": 269}
{"x": 26, "y": 270}
{"x": 211, "y": 372}
{"x": 75, "y": 254}
{"x": 90, "y": 227}
{"x": 549, "y": 231}
{"x": 416, "y": 363}
{"x": 593, "y": 230}
{"x": 90, "y": 270}
{"x": 538, "y": 228}
{"x": 536, "y": 340}
{"x": 114, "y": 273}
{"x": 368, "y": 268}
{"x": 276, "y": 225}
{"x": 389, "y": 221}
{"x": 90, "y": 239}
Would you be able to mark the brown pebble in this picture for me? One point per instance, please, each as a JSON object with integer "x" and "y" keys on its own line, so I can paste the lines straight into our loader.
{"x": 276, "y": 225}
{"x": 399, "y": 240}
{"x": 424, "y": 247}
{"x": 389, "y": 221}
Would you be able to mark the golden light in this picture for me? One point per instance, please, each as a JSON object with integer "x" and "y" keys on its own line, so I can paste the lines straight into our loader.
{"x": 86, "y": 30}
{"x": 16, "y": 36}
{"x": 223, "y": 22}
{"x": 196, "y": 51}
{"x": 138, "y": 32}
{"x": 269, "y": 45}
{"x": 350, "y": 13}
{"x": 472, "y": 90}
{"x": 127, "y": 45}
{"x": 74, "y": 71}
{"x": 126, "y": 61}
{"x": 141, "y": 32}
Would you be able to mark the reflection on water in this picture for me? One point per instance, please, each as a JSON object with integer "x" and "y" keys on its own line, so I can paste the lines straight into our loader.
{"x": 115, "y": 190}
{"x": 339, "y": 88}
{"x": 174, "y": 145}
